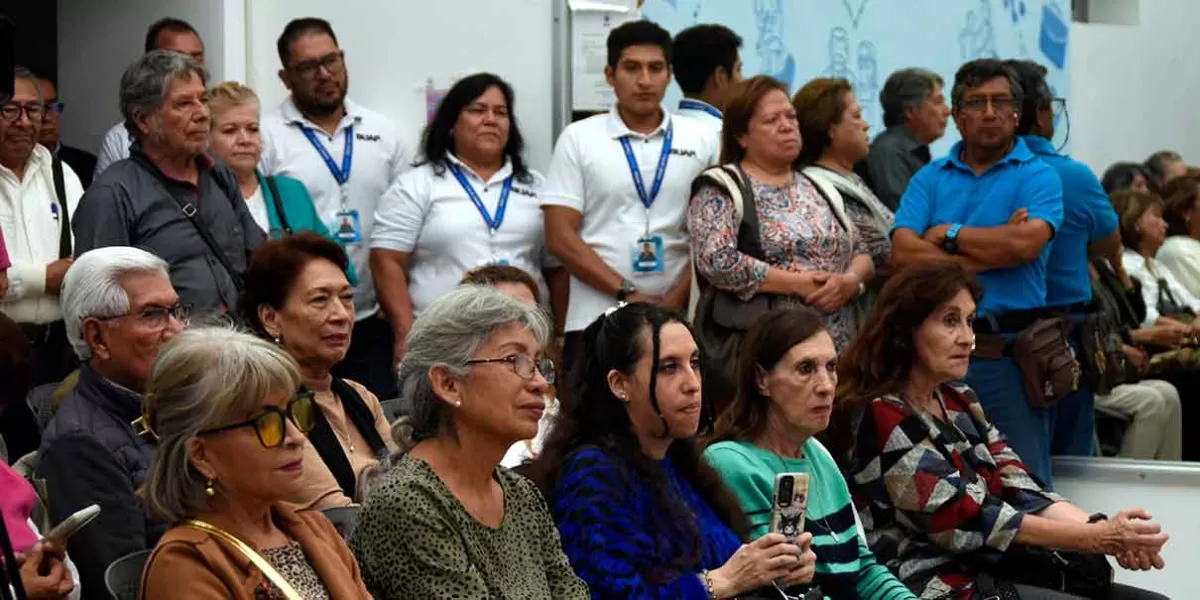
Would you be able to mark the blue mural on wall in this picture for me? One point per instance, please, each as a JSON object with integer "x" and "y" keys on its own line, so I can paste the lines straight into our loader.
{"x": 865, "y": 40}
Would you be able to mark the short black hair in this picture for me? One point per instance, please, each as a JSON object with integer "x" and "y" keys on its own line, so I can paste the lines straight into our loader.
{"x": 1038, "y": 96}
{"x": 978, "y": 72}
{"x": 699, "y": 50}
{"x": 638, "y": 33}
{"x": 167, "y": 24}
{"x": 297, "y": 28}
{"x": 437, "y": 141}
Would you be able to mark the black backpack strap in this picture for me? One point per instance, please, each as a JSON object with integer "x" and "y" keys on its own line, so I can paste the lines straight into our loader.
{"x": 275, "y": 199}
{"x": 60, "y": 189}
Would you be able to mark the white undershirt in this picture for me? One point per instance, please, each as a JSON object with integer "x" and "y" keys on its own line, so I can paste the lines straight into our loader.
{"x": 257, "y": 205}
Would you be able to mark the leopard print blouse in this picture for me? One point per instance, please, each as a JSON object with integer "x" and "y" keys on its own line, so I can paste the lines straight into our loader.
{"x": 415, "y": 540}
{"x": 293, "y": 565}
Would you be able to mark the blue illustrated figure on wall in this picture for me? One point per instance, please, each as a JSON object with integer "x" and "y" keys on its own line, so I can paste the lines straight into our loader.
{"x": 1053, "y": 37}
{"x": 867, "y": 89}
{"x": 977, "y": 39}
{"x": 839, "y": 55}
{"x": 1016, "y": 9}
{"x": 773, "y": 54}
{"x": 855, "y": 9}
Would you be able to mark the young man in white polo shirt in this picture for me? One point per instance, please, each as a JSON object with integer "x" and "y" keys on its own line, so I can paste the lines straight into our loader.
{"x": 706, "y": 65}
{"x": 347, "y": 156}
{"x": 618, "y": 186}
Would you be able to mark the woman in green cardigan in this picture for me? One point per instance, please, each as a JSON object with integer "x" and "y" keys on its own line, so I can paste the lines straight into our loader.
{"x": 787, "y": 373}
{"x": 279, "y": 204}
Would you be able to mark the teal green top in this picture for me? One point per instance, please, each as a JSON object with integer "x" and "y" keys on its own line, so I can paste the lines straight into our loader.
{"x": 845, "y": 568}
{"x": 300, "y": 213}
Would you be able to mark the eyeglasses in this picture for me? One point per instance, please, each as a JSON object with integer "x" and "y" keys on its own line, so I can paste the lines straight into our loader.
{"x": 1058, "y": 105}
{"x": 54, "y": 108}
{"x": 333, "y": 62}
{"x": 271, "y": 425}
{"x": 12, "y": 111}
{"x": 157, "y": 317}
{"x": 523, "y": 365}
{"x": 1000, "y": 104}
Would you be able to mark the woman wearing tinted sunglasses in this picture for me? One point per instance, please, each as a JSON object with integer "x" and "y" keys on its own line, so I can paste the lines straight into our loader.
{"x": 231, "y": 434}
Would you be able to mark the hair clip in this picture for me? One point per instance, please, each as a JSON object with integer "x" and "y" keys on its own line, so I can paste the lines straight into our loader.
{"x": 613, "y": 309}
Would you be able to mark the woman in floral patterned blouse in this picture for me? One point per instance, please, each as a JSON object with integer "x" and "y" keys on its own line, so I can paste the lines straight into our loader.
{"x": 812, "y": 253}
{"x": 938, "y": 490}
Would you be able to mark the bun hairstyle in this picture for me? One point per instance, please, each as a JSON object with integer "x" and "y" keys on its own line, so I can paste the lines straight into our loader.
{"x": 592, "y": 416}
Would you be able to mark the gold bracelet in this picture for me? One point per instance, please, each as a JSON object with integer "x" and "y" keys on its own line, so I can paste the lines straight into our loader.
{"x": 708, "y": 584}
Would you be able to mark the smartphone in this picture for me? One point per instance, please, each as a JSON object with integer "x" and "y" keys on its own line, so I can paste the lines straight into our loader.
{"x": 72, "y": 524}
{"x": 788, "y": 505}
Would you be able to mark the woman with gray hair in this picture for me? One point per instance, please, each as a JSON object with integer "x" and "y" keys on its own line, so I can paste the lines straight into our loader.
{"x": 230, "y": 426}
{"x": 444, "y": 520}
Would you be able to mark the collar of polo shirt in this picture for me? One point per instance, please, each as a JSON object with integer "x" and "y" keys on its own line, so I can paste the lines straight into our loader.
{"x": 617, "y": 129}
{"x": 292, "y": 115}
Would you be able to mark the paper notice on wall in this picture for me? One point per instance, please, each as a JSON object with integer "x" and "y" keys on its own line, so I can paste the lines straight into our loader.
{"x": 433, "y": 98}
{"x": 590, "y": 23}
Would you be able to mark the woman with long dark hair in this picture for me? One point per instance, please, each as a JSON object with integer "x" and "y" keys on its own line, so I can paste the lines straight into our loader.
{"x": 470, "y": 200}
{"x": 640, "y": 513}
{"x": 948, "y": 505}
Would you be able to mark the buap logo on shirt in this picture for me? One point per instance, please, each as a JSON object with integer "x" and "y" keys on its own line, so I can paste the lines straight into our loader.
{"x": 683, "y": 152}
{"x": 367, "y": 137}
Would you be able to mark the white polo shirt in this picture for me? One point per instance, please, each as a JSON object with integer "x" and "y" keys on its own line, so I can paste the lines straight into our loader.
{"x": 114, "y": 147}
{"x": 430, "y": 215}
{"x": 589, "y": 173}
{"x": 378, "y": 158}
{"x": 701, "y": 111}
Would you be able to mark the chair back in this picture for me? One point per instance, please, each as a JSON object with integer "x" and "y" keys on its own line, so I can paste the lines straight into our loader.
{"x": 123, "y": 577}
{"x": 41, "y": 399}
{"x": 344, "y": 518}
{"x": 393, "y": 409}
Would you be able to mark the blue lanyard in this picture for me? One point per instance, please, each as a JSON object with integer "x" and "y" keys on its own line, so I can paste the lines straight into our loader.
{"x": 342, "y": 175}
{"x": 659, "y": 172}
{"x": 689, "y": 104}
{"x": 493, "y": 223}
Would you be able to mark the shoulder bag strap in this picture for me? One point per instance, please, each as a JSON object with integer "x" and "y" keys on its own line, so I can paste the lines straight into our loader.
{"x": 274, "y": 189}
{"x": 833, "y": 198}
{"x": 60, "y": 189}
{"x": 189, "y": 210}
{"x": 255, "y": 558}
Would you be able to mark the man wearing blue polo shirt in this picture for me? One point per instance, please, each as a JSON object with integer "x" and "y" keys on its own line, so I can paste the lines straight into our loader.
{"x": 992, "y": 206}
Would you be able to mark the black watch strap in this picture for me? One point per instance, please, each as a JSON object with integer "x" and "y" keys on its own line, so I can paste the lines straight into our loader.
{"x": 628, "y": 288}
{"x": 1097, "y": 517}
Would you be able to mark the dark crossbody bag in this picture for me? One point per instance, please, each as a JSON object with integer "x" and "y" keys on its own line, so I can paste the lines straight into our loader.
{"x": 721, "y": 317}
{"x": 278, "y": 202}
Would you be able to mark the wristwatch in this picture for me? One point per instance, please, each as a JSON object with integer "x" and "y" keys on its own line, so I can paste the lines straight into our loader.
{"x": 1097, "y": 517}
{"x": 950, "y": 244}
{"x": 628, "y": 288}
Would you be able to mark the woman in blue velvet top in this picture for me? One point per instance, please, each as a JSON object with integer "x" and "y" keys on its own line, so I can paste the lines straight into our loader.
{"x": 640, "y": 513}
{"x": 280, "y": 205}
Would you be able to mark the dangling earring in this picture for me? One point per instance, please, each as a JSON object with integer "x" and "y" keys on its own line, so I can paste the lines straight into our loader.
{"x": 208, "y": 489}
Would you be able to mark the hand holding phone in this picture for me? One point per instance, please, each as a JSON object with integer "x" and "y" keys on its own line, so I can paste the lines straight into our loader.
{"x": 72, "y": 524}
{"x": 788, "y": 505}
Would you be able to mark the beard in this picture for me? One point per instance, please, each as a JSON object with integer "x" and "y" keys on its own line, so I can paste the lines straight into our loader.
{"x": 311, "y": 104}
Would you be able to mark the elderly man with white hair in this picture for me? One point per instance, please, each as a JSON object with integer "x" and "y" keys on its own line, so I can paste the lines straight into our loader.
{"x": 119, "y": 309}
{"x": 169, "y": 197}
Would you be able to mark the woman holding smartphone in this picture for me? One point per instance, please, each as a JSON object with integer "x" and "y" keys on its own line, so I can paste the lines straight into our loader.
{"x": 640, "y": 513}
{"x": 787, "y": 374}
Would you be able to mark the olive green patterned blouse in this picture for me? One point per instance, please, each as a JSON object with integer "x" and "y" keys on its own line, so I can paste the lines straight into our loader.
{"x": 414, "y": 539}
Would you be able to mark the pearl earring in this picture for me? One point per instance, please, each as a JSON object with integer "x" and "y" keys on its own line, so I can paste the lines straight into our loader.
{"x": 208, "y": 489}
{"x": 458, "y": 404}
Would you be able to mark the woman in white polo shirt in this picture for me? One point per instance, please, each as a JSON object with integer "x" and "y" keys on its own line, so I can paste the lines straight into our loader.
{"x": 470, "y": 202}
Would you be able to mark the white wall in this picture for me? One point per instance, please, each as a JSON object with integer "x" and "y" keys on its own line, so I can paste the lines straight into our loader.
{"x": 1135, "y": 87}
{"x": 392, "y": 48}
{"x": 98, "y": 39}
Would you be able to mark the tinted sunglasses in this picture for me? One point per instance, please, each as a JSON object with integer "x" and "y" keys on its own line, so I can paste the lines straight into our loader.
{"x": 271, "y": 423}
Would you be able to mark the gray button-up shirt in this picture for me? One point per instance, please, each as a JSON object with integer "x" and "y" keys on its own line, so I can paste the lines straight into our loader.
{"x": 131, "y": 204}
{"x": 894, "y": 158}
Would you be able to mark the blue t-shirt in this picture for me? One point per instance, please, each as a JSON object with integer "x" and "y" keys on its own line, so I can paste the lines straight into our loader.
{"x": 1088, "y": 216}
{"x": 948, "y": 191}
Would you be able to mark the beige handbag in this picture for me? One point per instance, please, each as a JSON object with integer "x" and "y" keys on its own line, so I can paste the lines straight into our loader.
{"x": 255, "y": 558}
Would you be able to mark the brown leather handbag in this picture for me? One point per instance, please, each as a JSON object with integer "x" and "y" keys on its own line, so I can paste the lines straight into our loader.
{"x": 1049, "y": 369}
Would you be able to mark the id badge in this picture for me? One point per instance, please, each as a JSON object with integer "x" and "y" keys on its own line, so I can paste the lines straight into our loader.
{"x": 348, "y": 229}
{"x": 648, "y": 255}
{"x": 494, "y": 260}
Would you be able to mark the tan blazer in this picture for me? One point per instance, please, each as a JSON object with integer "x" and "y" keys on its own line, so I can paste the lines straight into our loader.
{"x": 189, "y": 563}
